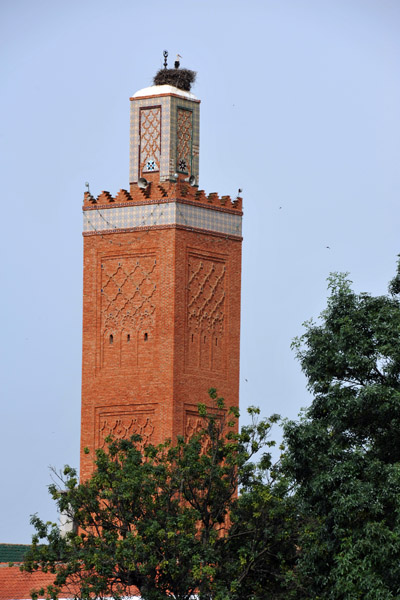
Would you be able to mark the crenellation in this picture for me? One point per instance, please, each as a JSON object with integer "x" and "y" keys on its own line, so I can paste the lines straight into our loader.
{"x": 146, "y": 192}
{"x": 164, "y": 192}
{"x": 224, "y": 200}
{"x": 184, "y": 190}
{"x": 104, "y": 198}
{"x": 123, "y": 196}
{"x": 200, "y": 196}
{"x": 237, "y": 203}
{"x": 167, "y": 191}
{"x": 88, "y": 198}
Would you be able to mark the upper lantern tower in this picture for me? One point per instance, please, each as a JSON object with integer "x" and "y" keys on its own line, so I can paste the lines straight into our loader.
{"x": 164, "y": 137}
{"x": 161, "y": 282}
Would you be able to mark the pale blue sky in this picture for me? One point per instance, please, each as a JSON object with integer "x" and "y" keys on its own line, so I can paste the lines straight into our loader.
{"x": 300, "y": 108}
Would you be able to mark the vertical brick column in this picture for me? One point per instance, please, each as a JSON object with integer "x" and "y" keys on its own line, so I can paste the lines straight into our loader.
{"x": 161, "y": 287}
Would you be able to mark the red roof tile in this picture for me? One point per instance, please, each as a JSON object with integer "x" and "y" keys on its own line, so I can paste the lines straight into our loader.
{"x": 16, "y": 585}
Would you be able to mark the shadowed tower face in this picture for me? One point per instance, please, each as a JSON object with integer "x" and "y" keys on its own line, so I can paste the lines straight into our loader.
{"x": 161, "y": 285}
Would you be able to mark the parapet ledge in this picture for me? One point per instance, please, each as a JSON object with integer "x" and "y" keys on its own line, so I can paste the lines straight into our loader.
{"x": 169, "y": 190}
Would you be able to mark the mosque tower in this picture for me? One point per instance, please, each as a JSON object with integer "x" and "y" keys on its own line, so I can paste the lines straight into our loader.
{"x": 161, "y": 282}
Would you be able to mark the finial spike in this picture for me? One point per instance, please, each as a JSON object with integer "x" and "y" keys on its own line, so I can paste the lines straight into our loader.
{"x": 165, "y": 54}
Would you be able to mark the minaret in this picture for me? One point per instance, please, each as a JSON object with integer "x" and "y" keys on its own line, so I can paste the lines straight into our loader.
{"x": 161, "y": 282}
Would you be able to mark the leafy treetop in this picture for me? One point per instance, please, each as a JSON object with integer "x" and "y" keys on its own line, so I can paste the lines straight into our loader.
{"x": 169, "y": 521}
{"x": 344, "y": 455}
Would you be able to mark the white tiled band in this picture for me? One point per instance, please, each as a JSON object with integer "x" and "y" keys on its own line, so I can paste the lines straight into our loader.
{"x": 168, "y": 213}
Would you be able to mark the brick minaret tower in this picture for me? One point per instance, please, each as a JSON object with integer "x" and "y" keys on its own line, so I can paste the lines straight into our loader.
{"x": 161, "y": 283}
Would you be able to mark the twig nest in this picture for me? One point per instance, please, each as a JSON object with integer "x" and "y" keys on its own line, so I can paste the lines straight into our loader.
{"x": 179, "y": 78}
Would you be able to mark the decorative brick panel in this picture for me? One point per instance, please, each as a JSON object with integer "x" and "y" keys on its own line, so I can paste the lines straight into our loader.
{"x": 184, "y": 141}
{"x": 150, "y": 139}
{"x": 121, "y": 422}
{"x": 206, "y": 314}
{"x": 128, "y": 297}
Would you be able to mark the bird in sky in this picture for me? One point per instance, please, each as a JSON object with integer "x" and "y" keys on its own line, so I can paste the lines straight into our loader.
{"x": 178, "y": 61}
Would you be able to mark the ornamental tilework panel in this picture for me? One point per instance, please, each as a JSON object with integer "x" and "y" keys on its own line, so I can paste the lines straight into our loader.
{"x": 136, "y": 107}
{"x": 184, "y": 140}
{"x": 169, "y": 127}
{"x": 185, "y": 121}
{"x": 150, "y": 139}
{"x": 167, "y": 213}
{"x": 211, "y": 220}
{"x": 127, "y": 217}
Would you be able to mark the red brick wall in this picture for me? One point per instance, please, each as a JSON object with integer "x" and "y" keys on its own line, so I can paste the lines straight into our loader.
{"x": 174, "y": 300}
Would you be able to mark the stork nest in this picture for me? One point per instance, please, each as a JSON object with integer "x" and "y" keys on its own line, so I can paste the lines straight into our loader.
{"x": 179, "y": 78}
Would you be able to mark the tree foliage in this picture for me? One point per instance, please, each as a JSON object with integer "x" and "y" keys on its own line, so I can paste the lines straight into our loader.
{"x": 344, "y": 455}
{"x": 322, "y": 525}
{"x": 169, "y": 520}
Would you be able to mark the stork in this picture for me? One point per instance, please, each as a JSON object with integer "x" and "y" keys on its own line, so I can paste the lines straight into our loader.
{"x": 177, "y": 62}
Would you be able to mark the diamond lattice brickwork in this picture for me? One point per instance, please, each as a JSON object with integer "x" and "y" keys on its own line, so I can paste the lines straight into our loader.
{"x": 206, "y": 291}
{"x": 184, "y": 140}
{"x": 128, "y": 293}
{"x": 150, "y": 139}
{"x": 205, "y": 324}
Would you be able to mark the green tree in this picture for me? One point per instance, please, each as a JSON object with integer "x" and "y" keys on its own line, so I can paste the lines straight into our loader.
{"x": 169, "y": 520}
{"x": 344, "y": 455}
